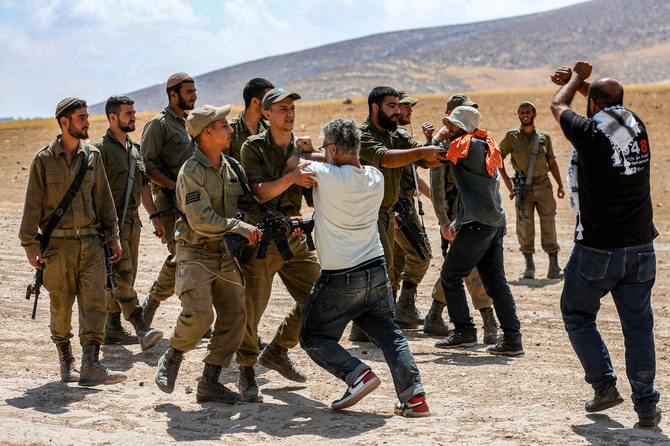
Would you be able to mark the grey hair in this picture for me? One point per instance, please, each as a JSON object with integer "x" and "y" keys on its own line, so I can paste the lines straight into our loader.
{"x": 345, "y": 134}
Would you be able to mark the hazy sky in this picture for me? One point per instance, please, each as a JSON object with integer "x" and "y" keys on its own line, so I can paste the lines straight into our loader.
{"x": 52, "y": 49}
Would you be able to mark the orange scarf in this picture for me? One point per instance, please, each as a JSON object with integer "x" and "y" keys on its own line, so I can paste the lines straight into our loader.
{"x": 460, "y": 146}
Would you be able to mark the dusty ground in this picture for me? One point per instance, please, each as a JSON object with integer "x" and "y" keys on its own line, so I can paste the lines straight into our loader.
{"x": 476, "y": 398}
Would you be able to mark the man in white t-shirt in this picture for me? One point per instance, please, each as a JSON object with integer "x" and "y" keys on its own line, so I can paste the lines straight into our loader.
{"x": 354, "y": 283}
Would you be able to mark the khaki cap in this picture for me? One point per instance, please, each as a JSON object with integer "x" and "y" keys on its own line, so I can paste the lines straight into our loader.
{"x": 204, "y": 115}
{"x": 465, "y": 117}
{"x": 404, "y": 98}
{"x": 458, "y": 100}
{"x": 65, "y": 103}
{"x": 276, "y": 95}
{"x": 177, "y": 78}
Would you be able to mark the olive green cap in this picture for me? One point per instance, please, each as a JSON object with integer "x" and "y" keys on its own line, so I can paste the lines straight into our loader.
{"x": 204, "y": 115}
{"x": 458, "y": 100}
{"x": 404, "y": 98}
{"x": 276, "y": 95}
{"x": 65, "y": 103}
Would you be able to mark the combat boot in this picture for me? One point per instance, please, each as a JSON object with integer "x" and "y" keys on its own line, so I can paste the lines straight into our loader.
{"x": 529, "y": 273}
{"x": 262, "y": 343}
{"x": 555, "y": 271}
{"x": 406, "y": 313}
{"x": 210, "y": 390}
{"x": 168, "y": 368}
{"x": 491, "y": 329}
{"x": 92, "y": 373}
{"x": 434, "y": 325}
{"x": 275, "y": 357}
{"x": 148, "y": 336}
{"x": 248, "y": 386}
{"x": 115, "y": 333}
{"x": 149, "y": 306}
{"x": 68, "y": 374}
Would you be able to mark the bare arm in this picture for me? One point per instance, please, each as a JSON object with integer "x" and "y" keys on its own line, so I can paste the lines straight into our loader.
{"x": 564, "y": 96}
{"x": 159, "y": 178}
{"x": 267, "y": 191}
{"x": 398, "y": 158}
{"x": 506, "y": 179}
{"x": 150, "y": 207}
{"x": 553, "y": 165}
{"x": 424, "y": 188}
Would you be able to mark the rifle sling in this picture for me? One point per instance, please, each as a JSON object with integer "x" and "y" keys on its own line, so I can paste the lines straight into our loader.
{"x": 129, "y": 188}
{"x": 533, "y": 159}
{"x": 65, "y": 202}
{"x": 244, "y": 183}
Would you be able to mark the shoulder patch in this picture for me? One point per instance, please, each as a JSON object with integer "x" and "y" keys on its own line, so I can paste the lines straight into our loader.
{"x": 192, "y": 197}
{"x": 404, "y": 134}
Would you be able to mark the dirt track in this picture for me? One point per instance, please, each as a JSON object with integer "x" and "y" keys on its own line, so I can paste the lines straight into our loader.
{"x": 476, "y": 398}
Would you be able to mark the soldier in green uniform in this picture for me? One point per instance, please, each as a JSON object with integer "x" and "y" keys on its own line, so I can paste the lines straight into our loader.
{"x": 249, "y": 121}
{"x": 444, "y": 197}
{"x": 73, "y": 260}
{"x": 120, "y": 153}
{"x": 166, "y": 146}
{"x": 407, "y": 265}
{"x": 383, "y": 148}
{"x": 207, "y": 276}
{"x": 519, "y": 143}
{"x": 271, "y": 160}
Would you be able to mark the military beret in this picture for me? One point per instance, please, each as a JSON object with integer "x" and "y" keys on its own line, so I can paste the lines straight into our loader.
{"x": 65, "y": 103}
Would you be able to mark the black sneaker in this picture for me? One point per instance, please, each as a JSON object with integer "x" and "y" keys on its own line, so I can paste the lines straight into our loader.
{"x": 506, "y": 348}
{"x": 651, "y": 420}
{"x": 457, "y": 339}
{"x": 365, "y": 383}
{"x": 610, "y": 398}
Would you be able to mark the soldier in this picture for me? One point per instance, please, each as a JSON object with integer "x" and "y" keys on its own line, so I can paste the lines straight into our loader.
{"x": 72, "y": 259}
{"x": 382, "y": 147}
{"x": 249, "y": 121}
{"x": 407, "y": 265}
{"x": 532, "y": 154}
{"x": 444, "y": 197}
{"x": 165, "y": 146}
{"x": 207, "y": 192}
{"x": 270, "y": 159}
{"x": 119, "y": 154}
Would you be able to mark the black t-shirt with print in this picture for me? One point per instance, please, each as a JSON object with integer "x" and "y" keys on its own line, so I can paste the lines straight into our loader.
{"x": 615, "y": 208}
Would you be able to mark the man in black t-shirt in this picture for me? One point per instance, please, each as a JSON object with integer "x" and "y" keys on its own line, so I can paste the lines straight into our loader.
{"x": 609, "y": 190}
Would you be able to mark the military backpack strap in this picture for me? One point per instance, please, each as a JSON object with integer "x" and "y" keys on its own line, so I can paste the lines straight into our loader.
{"x": 129, "y": 188}
{"x": 533, "y": 159}
{"x": 65, "y": 202}
{"x": 244, "y": 183}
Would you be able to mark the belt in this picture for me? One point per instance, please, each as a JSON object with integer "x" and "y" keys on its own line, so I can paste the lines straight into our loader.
{"x": 129, "y": 212}
{"x": 539, "y": 179}
{"x": 369, "y": 264}
{"x": 75, "y": 233}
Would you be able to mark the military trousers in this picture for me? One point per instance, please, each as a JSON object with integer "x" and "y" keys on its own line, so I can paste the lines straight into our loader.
{"x": 74, "y": 268}
{"x": 540, "y": 197}
{"x": 207, "y": 279}
{"x": 298, "y": 276}
{"x": 163, "y": 286}
{"x": 407, "y": 265}
{"x": 124, "y": 298}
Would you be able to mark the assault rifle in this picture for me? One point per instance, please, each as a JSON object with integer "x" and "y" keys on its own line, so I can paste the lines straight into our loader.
{"x": 415, "y": 237}
{"x": 273, "y": 228}
{"x": 36, "y": 285}
{"x": 109, "y": 266}
{"x": 168, "y": 173}
{"x": 521, "y": 189}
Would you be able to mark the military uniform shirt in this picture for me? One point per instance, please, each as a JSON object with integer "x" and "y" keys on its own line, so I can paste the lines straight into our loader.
{"x": 116, "y": 159}
{"x": 520, "y": 146}
{"x": 241, "y": 133}
{"x": 51, "y": 174}
{"x": 374, "y": 144}
{"x": 165, "y": 137}
{"x": 208, "y": 196}
{"x": 264, "y": 162}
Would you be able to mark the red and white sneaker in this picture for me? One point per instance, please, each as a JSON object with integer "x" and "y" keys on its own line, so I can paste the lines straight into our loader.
{"x": 365, "y": 383}
{"x": 414, "y": 408}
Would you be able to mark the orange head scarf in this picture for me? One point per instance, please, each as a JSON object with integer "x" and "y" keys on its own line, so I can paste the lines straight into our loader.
{"x": 460, "y": 146}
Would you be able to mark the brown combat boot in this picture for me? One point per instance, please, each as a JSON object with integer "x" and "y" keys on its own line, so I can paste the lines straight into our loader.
{"x": 492, "y": 333}
{"x": 149, "y": 306}
{"x": 210, "y": 390}
{"x": 92, "y": 373}
{"x": 68, "y": 374}
{"x": 529, "y": 273}
{"x": 248, "y": 386}
{"x": 148, "y": 336}
{"x": 406, "y": 313}
{"x": 434, "y": 325}
{"x": 555, "y": 271}
{"x": 115, "y": 333}
{"x": 168, "y": 368}
{"x": 275, "y": 357}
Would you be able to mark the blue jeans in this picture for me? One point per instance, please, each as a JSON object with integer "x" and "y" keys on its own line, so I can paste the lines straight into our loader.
{"x": 364, "y": 297}
{"x": 479, "y": 245}
{"x": 629, "y": 274}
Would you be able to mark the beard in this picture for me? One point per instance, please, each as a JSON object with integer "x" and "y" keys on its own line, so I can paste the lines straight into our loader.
{"x": 127, "y": 126}
{"x": 386, "y": 122}
{"x": 183, "y": 104}
{"x": 77, "y": 133}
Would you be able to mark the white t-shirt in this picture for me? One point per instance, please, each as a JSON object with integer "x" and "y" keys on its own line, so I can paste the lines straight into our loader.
{"x": 346, "y": 207}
